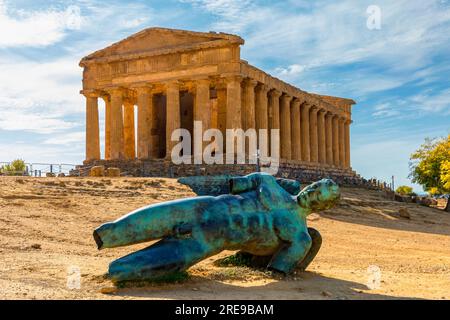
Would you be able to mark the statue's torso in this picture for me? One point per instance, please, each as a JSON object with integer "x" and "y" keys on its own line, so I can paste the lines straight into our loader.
{"x": 248, "y": 221}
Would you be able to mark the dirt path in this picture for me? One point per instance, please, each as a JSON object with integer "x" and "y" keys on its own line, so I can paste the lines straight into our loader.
{"x": 46, "y": 227}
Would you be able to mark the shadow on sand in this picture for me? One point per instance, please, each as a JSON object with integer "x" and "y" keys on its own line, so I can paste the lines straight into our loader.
{"x": 309, "y": 285}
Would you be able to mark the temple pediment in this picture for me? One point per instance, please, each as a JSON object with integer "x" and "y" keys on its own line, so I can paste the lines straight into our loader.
{"x": 154, "y": 41}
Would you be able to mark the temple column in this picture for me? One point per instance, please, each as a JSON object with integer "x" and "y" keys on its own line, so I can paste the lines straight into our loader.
{"x": 262, "y": 117}
{"x": 274, "y": 114}
{"x": 221, "y": 109}
{"x": 116, "y": 123}
{"x": 321, "y": 136}
{"x": 107, "y": 99}
{"x": 262, "y": 107}
{"x": 341, "y": 143}
{"x": 314, "y": 143}
{"x": 304, "y": 124}
{"x": 202, "y": 112}
{"x": 248, "y": 115}
{"x": 145, "y": 111}
{"x": 285, "y": 126}
{"x": 128, "y": 130}
{"x": 234, "y": 119}
{"x": 347, "y": 142}
{"x": 274, "y": 109}
{"x": 92, "y": 126}
{"x": 295, "y": 130}
{"x": 329, "y": 138}
{"x": 173, "y": 119}
{"x": 336, "y": 140}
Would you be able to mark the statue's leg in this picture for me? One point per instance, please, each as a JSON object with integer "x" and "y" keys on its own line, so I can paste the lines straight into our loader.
{"x": 165, "y": 257}
{"x": 150, "y": 223}
{"x": 316, "y": 244}
{"x": 254, "y": 261}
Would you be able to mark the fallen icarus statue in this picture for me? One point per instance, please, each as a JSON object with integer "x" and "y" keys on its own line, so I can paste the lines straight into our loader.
{"x": 262, "y": 216}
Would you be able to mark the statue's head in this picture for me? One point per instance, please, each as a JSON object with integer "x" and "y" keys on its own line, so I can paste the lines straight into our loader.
{"x": 320, "y": 195}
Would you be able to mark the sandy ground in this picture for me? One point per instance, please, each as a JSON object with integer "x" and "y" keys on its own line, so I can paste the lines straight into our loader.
{"x": 46, "y": 229}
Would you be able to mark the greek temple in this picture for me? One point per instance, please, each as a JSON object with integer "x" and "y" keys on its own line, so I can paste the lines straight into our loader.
{"x": 158, "y": 80}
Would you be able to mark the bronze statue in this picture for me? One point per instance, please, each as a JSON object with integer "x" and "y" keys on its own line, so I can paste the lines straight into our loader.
{"x": 262, "y": 216}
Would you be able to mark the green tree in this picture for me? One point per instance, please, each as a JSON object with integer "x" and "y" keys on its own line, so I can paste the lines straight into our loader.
{"x": 404, "y": 190}
{"x": 17, "y": 167}
{"x": 430, "y": 166}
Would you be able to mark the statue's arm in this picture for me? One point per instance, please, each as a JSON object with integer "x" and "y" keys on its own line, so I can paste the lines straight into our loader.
{"x": 291, "y": 253}
{"x": 290, "y": 185}
{"x": 242, "y": 184}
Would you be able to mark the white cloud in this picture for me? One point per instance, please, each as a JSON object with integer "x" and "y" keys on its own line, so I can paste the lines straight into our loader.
{"x": 67, "y": 139}
{"x": 41, "y": 153}
{"x": 32, "y": 122}
{"x": 233, "y": 14}
{"x": 291, "y": 71}
{"x": 322, "y": 34}
{"x": 433, "y": 102}
{"x": 36, "y": 28}
{"x": 38, "y": 97}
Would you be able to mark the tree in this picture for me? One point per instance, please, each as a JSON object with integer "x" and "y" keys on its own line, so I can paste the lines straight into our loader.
{"x": 17, "y": 167}
{"x": 430, "y": 166}
{"x": 404, "y": 190}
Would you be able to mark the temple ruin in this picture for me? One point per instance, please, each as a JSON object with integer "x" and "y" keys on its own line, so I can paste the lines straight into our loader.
{"x": 167, "y": 79}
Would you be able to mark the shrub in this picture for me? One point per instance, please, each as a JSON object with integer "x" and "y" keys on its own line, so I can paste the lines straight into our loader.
{"x": 15, "y": 168}
{"x": 404, "y": 190}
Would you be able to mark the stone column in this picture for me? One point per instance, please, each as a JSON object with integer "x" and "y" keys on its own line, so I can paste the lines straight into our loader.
{"x": 107, "y": 99}
{"x": 274, "y": 113}
{"x": 128, "y": 130}
{"x": 341, "y": 143}
{"x": 262, "y": 107}
{"x": 295, "y": 130}
{"x": 347, "y": 142}
{"x": 274, "y": 109}
{"x": 322, "y": 137}
{"x": 92, "y": 126}
{"x": 145, "y": 115}
{"x": 285, "y": 126}
{"x": 172, "y": 114}
{"x": 304, "y": 124}
{"x": 314, "y": 142}
{"x": 329, "y": 138}
{"x": 222, "y": 108}
{"x": 248, "y": 116}
{"x": 234, "y": 118}
{"x": 117, "y": 151}
{"x": 336, "y": 140}
{"x": 202, "y": 111}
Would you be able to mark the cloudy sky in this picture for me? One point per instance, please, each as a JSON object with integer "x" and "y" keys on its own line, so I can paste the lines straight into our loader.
{"x": 398, "y": 73}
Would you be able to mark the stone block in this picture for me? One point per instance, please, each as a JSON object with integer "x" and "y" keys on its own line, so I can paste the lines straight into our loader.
{"x": 97, "y": 171}
{"x": 113, "y": 172}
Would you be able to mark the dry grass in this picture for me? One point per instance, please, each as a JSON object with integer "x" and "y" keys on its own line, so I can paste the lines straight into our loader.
{"x": 46, "y": 226}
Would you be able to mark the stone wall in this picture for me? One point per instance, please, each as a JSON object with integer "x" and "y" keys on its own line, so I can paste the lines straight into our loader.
{"x": 165, "y": 168}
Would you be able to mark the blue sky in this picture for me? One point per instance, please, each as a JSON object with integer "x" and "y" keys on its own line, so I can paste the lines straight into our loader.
{"x": 399, "y": 74}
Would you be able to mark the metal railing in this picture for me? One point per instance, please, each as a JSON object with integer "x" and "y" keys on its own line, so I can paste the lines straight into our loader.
{"x": 38, "y": 169}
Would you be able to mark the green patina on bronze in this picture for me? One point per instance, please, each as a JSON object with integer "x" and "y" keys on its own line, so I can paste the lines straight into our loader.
{"x": 261, "y": 216}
